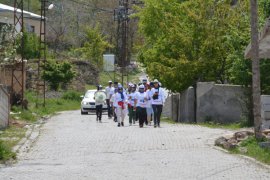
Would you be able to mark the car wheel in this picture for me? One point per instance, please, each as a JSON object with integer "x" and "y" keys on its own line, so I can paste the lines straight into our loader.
{"x": 83, "y": 113}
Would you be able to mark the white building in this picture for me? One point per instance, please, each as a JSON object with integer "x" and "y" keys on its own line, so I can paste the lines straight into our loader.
{"x": 31, "y": 20}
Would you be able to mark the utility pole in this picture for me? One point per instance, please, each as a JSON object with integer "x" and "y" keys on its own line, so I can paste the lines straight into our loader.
{"x": 256, "y": 83}
{"x": 18, "y": 71}
{"x": 41, "y": 83}
{"x": 121, "y": 15}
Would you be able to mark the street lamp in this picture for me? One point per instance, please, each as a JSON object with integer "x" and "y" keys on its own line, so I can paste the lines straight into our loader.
{"x": 51, "y": 6}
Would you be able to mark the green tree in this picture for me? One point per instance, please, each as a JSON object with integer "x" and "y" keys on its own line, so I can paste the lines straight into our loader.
{"x": 191, "y": 41}
{"x": 57, "y": 73}
{"x": 94, "y": 46}
{"x": 31, "y": 46}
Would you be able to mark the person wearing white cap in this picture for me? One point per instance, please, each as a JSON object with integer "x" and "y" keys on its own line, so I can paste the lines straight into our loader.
{"x": 158, "y": 98}
{"x": 99, "y": 97}
{"x": 108, "y": 91}
{"x": 144, "y": 82}
{"x": 141, "y": 106}
{"x": 120, "y": 100}
{"x": 132, "y": 102}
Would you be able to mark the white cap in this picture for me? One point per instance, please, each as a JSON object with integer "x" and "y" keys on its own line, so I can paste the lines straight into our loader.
{"x": 155, "y": 81}
{"x": 141, "y": 86}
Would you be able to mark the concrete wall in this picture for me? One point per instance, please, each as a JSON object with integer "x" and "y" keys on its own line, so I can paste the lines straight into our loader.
{"x": 265, "y": 111}
{"x": 167, "y": 108}
{"x": 186, "y": 109}
{"x": 175, "y": 101}
{"x": 220, "y": 103}
{"x": 4, "y": 107}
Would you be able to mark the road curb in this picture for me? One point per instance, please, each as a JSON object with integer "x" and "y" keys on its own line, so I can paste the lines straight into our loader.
{"x": 244, "y": 157}
{"x": 31, "y": 136}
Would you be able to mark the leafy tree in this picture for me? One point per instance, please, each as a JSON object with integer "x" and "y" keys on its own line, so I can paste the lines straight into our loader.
{"x": 191, "y": 41}
{"x": 94, "y": 46}
{"x": 31, "y": 45}
{"x": 57, "y": 73}
{"x": 7, "y": 46}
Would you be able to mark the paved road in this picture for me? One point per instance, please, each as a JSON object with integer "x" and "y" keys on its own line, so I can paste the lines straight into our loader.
{"x": 75, "y": 147}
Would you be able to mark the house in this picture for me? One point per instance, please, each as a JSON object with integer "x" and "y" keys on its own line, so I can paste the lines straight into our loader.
{"x": 31, "y": 20}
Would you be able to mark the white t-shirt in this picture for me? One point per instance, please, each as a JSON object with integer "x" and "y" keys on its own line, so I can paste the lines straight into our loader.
{"x": 112, "y": 100}
{"x": 118, "y": 98}
{"x": 160, "y": 98}
{"x": 148, "y": 96}
{"x": 100, "y": 97}
{"x": 108, "y": 91}
{"x": 142, "y": 102}
{"x": 112, "y": 91}
{"x": 131, "y": 98}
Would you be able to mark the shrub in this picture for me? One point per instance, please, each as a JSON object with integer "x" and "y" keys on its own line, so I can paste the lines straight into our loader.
{"x": 5, "y": 152}
{"x": 57, "y": 73}
{"x": 72, "y": 95}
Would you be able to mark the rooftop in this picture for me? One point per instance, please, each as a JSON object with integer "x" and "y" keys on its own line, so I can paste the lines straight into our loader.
{"x": 6, "y": 8}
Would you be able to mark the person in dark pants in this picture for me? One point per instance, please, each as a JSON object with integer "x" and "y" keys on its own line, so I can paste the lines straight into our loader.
{"x": 109, "y": 91}
{"x": 132, "y": 102}
{"x": 158, "y": 99}
{"x": 141, "y": 106}
{"x": 100, "y": 98}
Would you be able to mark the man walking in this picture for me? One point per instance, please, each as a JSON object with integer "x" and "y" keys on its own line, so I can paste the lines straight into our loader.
{"x": 108, "y": 90}
{"x": 157, "y": 102}
{"x": 99, "y": 97}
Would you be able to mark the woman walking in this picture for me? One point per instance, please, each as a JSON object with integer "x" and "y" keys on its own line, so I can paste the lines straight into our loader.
{"x": 120, "y": 100}
{"x": 132, "y": 103}
{"x": 149, "y": 109}
{"x": 141, "y": 106}
{"x": 157, "y": 102}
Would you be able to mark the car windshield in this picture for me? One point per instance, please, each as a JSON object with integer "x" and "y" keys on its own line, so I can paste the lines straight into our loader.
{"x": 89, "y": 94}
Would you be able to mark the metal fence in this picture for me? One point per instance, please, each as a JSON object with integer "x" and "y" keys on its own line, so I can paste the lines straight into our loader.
{"x": 4, "y": 107}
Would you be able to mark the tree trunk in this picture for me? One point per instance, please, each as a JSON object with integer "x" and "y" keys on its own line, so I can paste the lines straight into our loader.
{"x": 256, "y": 84}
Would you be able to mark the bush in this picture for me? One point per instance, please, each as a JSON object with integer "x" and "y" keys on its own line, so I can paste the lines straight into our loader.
{"x": 58, "y": 73}
{"x": 72, "y": 95}
{"x": 5, "y": 152}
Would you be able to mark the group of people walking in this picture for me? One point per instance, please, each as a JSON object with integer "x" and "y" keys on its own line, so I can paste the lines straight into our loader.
{"x": 142, "y": 102}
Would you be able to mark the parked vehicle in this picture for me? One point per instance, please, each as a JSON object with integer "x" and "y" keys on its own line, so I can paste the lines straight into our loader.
{"x": 88, "y": 102}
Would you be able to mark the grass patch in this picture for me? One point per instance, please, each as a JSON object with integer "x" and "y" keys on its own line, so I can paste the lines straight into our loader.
{"x": 69, "y": 101}
{"x": 8, "y": 139}
{"x": 254, "y": 150}
{"x": 222, "y": 126}
{"x": 167, "y": 120}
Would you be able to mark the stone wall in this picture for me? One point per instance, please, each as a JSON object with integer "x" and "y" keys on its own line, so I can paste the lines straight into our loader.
{"x": 220, "y": 103}
{"x": 213, "y": 102}
{"x": 187, "y": 102}
{"x": 265, "y": 111}
{"x": 167, "y": 109}
{"x": 4, "y": 107}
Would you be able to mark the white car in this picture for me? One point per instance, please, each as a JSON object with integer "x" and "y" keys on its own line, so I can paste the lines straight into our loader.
{"x": 88, "y": 103}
